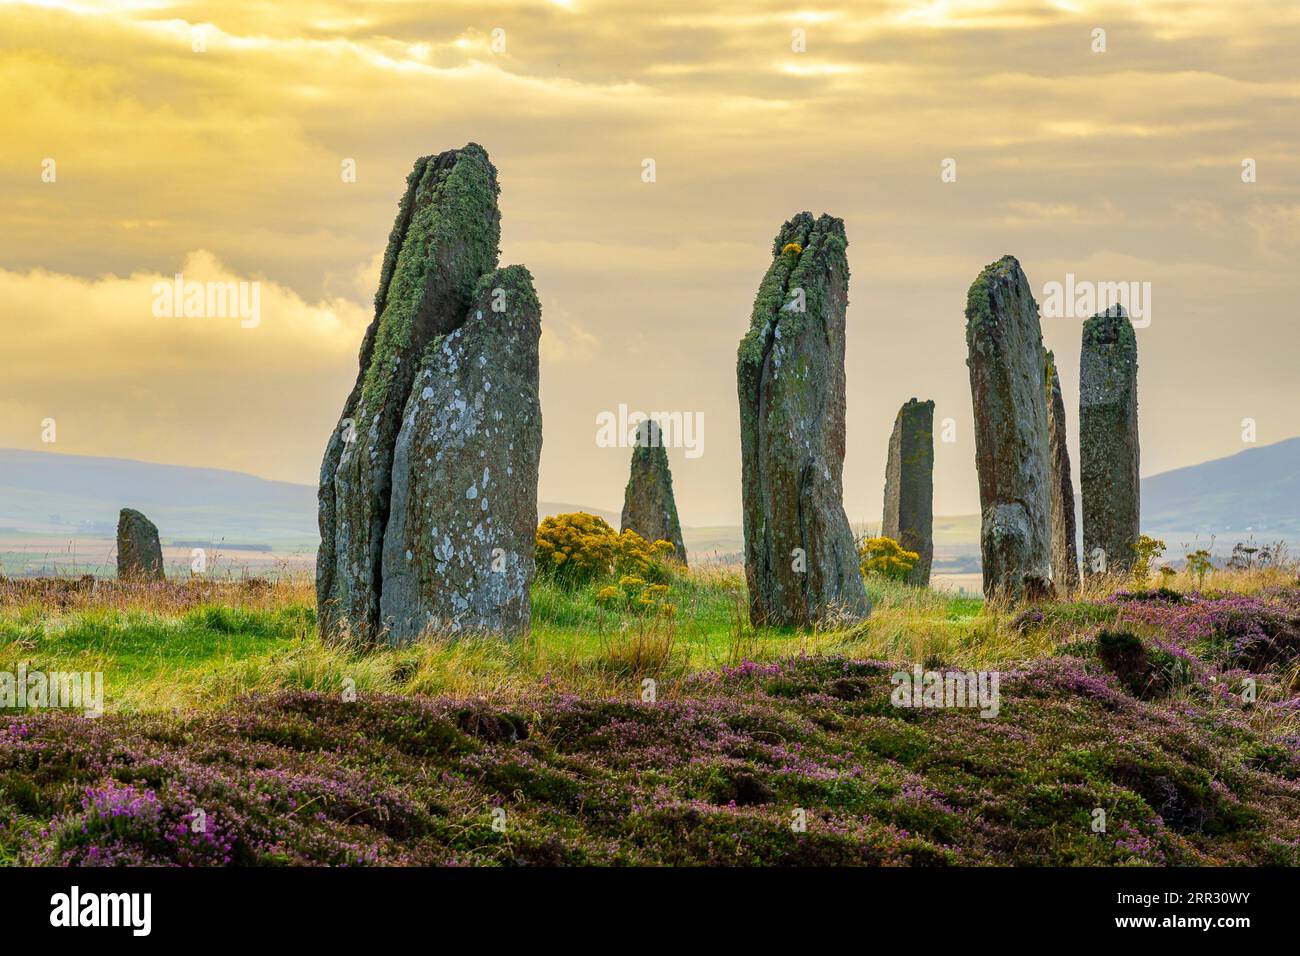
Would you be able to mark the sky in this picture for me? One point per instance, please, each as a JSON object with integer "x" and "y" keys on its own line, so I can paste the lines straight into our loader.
{"x": 145, "y": 138}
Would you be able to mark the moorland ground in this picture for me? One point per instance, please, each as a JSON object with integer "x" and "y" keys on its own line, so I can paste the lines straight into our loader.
{"x": 1172, "y": 710}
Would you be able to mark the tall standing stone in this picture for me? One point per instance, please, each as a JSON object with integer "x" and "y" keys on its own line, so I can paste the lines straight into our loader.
{"x": 1108, "y": 442}
{"x": 801, "y": 565}
{"x": 139, "y": 552}
{"x": 444, "y": 238}
{"x": 1065, "y": 552}
{"x": 1005, "y": 357}
{"x": 649, "y": 508}
{"x": 909, "y": 486}
{"x": 462, "y": 525}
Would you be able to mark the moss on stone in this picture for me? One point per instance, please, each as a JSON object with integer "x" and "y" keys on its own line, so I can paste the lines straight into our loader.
{"x": 772, "y": 291}
{"x": 453, "y": 225}
{"x": 979, "y": 310}
{"x": 1112, "y": 332}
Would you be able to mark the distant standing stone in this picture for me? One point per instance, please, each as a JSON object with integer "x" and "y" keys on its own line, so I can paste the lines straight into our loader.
{"x": 648, "y": 505}
{"x": 1065, "y": 551}
{"x": 909, "y": 486}
{"x": 462, "y": 529}
{"x": 139, "y": 552}
{"x": 1005, "y": 357}
{"x": 1108, "y": 442}
{"x": 801, "y": 565}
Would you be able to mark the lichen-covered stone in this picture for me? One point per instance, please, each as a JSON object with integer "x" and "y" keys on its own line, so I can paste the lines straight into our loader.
{"x": 649, "y": 508}
{"x": 1065, "y": 552}
{"x": 1005, "y": 357}
{"x": 1064, "y": 549}
{"x": 443, "y": 240}
{"x": 909, "y": 486}
{"x": 801, "y": 566}
{"x": 1108, "y": 442}
{"x": 139, "y": 552}
{"x": 459, "y": 546}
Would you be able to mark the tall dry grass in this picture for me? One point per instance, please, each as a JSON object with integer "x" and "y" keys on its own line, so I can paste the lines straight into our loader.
{"x": 170, "y": 597}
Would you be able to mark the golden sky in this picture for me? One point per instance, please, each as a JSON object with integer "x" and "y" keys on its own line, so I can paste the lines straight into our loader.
{"x": 225, "y": 162}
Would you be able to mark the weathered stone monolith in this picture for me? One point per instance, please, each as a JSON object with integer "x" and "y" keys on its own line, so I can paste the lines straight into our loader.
{"x": 801, "y": 565}
{"x": 1005, "y": 358}
{"x": 462, "y": 525}
{"x": 649, "y": 508}
{"x": 909, "y": 486}
{"x": 139, "y": 552}
{"x": 1065, "y": 551}
{"x": 443, "y": 240}
{"x": 1108, "y": 442}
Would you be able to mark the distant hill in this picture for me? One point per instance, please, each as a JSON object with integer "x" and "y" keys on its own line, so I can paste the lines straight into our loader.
{"x": 1255, "y": 492}
{"x": 48, "y": 492}
{"x": 51, "y": 492}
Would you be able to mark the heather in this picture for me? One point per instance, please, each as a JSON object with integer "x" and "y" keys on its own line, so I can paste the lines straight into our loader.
{"x": 1172, "y": 710}
{"x": 712, "y": 776}
{"x": 1232, "y": 630}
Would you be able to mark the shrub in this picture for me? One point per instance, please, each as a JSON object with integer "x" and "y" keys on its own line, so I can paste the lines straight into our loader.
{"x": 1199, "y": 565}
{"x": 1125, "y": 656}
{"x": 887, "y": 558}
{"x": 635, "y": 555}
{"x": 1147, "y": 549}
{"x": 634, "y": 593}
{"x": 578, "y": 548}
{"x": 575, "y": 549}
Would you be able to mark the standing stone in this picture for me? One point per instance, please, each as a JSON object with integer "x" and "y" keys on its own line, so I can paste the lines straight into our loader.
{"x": 909, "y": 486}
{"x": 1108, "y": 442}
{"x": 1005, "y": 357}
{"x": 444, "y": 238}
{"x": 648, "y": 505}
{"x": 801, "y": 565}
{"x": 139, "y": 552}
{"x": 462, "y": 526}
{"x": 1065, "y": 553}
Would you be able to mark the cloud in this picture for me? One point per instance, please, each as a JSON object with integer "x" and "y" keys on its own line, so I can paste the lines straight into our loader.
{"x": 1117, "y": 165}
{"x": 119, "y": 381}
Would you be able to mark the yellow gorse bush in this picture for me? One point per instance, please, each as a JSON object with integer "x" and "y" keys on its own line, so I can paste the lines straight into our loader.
{"x": 634, "y": 593}
{"x": 575, "y": 548}
{"x": 635, "y": 555}
{"x": 579, "y": 548}
{"x": 886, "y": 557}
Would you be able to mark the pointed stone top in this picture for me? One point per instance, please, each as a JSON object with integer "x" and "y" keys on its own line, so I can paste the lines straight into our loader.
{"x": 1003, "y": 281}
{"x": 1002, "y": 268}
{"x": 1111, "y": 327}
{"x": 804, "y": 253}
{"x": 648, "y": 434}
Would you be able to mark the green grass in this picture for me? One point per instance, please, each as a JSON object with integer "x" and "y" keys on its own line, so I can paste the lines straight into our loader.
{"x": 157, "y": 656}
{"x": 200, "y": 644}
